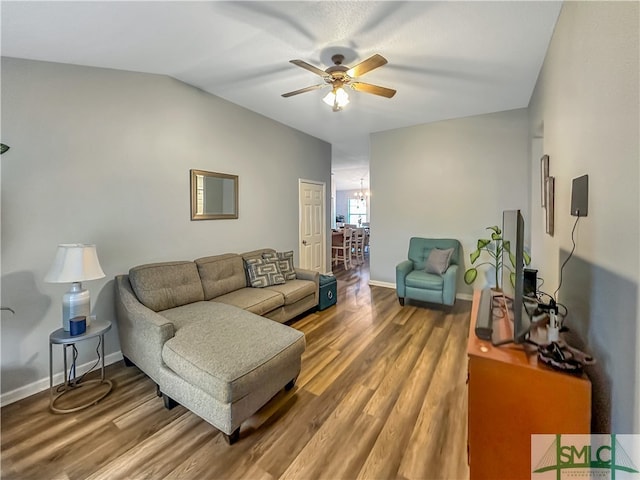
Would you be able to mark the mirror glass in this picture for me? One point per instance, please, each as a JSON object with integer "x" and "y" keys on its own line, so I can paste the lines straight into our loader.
{"x": 214, "y": 196}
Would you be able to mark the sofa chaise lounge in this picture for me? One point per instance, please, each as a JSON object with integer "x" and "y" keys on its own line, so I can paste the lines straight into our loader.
{"x": 209, "y": 340}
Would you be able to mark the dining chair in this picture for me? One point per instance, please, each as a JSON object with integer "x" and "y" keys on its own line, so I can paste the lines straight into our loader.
{"x": 342, "y": 252}
{"x": 367, "y": 235}
{"x": 357, "y": 250}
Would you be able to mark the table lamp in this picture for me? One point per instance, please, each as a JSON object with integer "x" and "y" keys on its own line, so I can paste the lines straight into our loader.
{"x": 75, "y": 263}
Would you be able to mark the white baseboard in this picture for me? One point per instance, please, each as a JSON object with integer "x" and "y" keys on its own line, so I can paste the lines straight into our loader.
{"x": 43, "y": 384}
{"x": 464, "y": 296}
{"x": 382, "y": 284}
{"x": 459, "y": 296}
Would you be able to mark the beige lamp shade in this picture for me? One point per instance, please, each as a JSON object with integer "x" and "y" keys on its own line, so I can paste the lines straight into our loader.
{"x": 75, "y": 262}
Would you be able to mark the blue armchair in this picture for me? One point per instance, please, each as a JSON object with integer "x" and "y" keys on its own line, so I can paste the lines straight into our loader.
{"x": 413, "y": 281}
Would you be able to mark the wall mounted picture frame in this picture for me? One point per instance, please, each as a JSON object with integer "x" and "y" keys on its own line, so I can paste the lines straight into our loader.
{"x": 550, "y": 184}
{"x": 544, "y": 174}
{"x": 214, "y": 195}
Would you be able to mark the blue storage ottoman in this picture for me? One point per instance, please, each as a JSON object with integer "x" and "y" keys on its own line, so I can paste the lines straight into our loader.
{"x": 328, "y": 291}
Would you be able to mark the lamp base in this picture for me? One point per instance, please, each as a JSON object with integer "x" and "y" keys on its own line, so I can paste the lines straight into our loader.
{"x": 76, "y": 302}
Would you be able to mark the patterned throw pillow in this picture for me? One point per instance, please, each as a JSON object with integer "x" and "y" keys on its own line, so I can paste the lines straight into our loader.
{"x": 285, "y": 262}
{"x": 438, "y": 260}
{"x": 264, "y": 273}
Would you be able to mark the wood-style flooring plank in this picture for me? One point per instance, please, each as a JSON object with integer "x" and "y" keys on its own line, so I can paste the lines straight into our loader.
{"x": 436, "y": 419}
{"x": 358, "y": 344}
{"x": 328, "y": 438}
{"x": 387, "y": 453}
{"x": 155, "y": 456}
{"x": 381, "y": 395}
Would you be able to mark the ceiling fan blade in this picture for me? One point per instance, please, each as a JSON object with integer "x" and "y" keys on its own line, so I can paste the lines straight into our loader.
{"x": 308, "y": 66}
{"x": 367, "y": 65}
{"x": 303, "y": 90}
{"x": 375, "y": 89}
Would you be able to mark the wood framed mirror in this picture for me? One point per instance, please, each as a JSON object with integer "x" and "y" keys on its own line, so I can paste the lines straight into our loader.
{"x": 214, "y": 196}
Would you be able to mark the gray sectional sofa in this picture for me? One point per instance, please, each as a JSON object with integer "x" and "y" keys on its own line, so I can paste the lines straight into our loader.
{"x": 210, "y": 340}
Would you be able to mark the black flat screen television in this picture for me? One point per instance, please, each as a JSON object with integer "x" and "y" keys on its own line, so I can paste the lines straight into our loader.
{"x": 513, "y": 276}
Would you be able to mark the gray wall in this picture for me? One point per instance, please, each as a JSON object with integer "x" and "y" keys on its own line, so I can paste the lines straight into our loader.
{"x": 446, "y": 179}
{"x": 103, "y": 156}
{"x": 585, "y": 112}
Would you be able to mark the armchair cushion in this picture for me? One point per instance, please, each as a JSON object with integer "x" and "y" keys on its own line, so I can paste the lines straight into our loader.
{"x": 423, "y": 280}
{"x": 438, "y": 260}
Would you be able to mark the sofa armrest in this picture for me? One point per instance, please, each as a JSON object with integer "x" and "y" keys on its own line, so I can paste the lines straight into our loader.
{"x": 312, "y": 275}
{"x": 304, "y": 274}
{"x": 142, "y": 332}
{"x": 402, "y": 270}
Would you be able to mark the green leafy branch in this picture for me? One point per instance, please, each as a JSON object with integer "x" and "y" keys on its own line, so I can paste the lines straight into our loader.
{"x": 495, "y": 248}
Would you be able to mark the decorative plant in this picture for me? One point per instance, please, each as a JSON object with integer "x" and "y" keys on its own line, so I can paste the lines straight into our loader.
{"x": 496, "y": 247}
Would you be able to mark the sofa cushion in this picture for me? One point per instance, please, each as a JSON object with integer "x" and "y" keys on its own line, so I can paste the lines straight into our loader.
{"x": 229, "y": 353}
{"x": 255, "y": 300}
{"x": 294, "y": 290}
{"x": 256, "y": 253}
{"x": 186, "y": 314}
{"x": 285, "y": 262}
{"x": 160, "y": 286}
{"x": 221, "y": 274}
{"x": 263, "y": 273}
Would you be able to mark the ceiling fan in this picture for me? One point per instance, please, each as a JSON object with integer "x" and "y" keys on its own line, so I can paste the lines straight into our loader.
{"x": 339, "y": 76}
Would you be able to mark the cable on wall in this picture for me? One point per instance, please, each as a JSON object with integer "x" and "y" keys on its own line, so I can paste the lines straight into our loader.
{"x": 573, "y": 241}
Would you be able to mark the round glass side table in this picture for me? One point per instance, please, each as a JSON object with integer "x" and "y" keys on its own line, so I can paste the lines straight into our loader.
{"x": 97, "y": 328}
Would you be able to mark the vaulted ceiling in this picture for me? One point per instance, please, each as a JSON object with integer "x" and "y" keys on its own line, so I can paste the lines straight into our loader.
{"x": 445, "y": 59}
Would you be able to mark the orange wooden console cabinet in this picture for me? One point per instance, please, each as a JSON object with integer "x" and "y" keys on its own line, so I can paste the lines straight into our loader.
{"x": 511, "y": 397}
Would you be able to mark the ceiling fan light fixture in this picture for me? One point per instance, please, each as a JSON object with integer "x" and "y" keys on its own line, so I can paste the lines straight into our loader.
{"x": 340, "y": 75}
{"x": 336, "y": 98}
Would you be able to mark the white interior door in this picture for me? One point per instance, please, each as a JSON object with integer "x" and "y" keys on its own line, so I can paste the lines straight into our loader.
{"x": 312, "y": 225}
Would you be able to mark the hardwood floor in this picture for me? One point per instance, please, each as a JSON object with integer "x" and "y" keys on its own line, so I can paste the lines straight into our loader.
{"x": 382, "y": 394}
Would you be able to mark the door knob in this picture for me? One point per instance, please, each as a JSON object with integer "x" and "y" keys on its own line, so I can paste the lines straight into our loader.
{"x": 304, "y": 242}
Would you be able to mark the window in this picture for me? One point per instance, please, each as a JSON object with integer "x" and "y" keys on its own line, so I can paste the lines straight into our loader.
{"x": 357, "y": 211}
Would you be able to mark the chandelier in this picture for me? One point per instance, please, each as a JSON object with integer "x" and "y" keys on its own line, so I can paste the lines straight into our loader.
{"x": 362, "y": 194}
